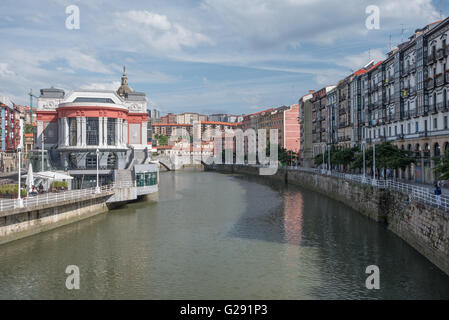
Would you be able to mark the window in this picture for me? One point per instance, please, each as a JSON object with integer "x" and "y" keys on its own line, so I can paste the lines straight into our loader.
{"x": 92, "y": 131}
{"x": 389, "y": 131}
{"x": 111, "y": 131}
{"x": 395, "y": 130}
{"x": 72, "y": 132}
{"x": 112, "y": 159}
{"x": 435, "y": 124}
{"x": 416, "y": 126}
{"x": 91, "y": 161}
{"x": 409, "y": 128}
{"x": 445, "y": 122}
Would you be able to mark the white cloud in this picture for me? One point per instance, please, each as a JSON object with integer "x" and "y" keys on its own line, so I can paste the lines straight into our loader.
{"x": 157, "y": 31}
{"x": 114, "y": 85}
{"x": 4, "y": 71}
{"x": 357, "y": 61}
{"x": 282, "y": 23}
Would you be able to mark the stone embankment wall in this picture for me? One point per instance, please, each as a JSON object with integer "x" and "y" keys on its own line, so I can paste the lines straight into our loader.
{"x": 424, "y": 227}
{"x": 23, "y": 222}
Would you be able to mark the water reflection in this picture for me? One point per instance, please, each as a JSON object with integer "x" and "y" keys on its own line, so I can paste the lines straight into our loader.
{"x": 214, "y": 236}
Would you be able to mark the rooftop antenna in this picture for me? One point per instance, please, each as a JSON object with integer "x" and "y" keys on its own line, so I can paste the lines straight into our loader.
{"x": 403, "y": 29}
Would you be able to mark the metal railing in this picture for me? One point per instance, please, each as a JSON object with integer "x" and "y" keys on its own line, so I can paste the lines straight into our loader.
{"x": 415, "y": 193}
{"x": 42, "y": 199}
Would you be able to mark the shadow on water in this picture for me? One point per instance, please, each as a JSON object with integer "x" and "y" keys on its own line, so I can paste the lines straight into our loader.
{"x": 346, "y": 240}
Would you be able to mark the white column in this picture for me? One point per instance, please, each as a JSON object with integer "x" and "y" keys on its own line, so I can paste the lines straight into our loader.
{"x": 83, "y": 132}
{"x": 40, "y": 128}
{"x": 101, "y": 131}
{"x": 144, "y": 133}
{"x": 125, "y": 132}
{"x": 105, "y": 131}
{"x": 65, "y": 131}
{"x": 79, "y": 139}
{"x": 120, "y": 132}
{"x": 117, "y": 132}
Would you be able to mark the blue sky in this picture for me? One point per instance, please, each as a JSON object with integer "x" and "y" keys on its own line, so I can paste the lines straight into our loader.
{"x": 207, "y": 56}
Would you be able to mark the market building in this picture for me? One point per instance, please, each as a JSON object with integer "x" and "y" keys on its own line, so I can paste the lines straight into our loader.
{"x": 83, "y": 129}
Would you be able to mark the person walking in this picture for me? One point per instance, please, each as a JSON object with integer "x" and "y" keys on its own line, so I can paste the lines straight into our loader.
{"x": 437, "y": 193}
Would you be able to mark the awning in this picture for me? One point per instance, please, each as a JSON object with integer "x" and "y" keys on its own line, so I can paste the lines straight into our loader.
{"x": 50, "y": 175}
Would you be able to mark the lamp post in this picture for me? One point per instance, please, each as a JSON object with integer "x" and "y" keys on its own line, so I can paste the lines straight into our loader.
{"x": 296, "y": 158}
{"x": 329, "y": 168}
{"x": 43, "y": 149}
{"x": 97, "y": 189}
{"x": 364, "y": 167}
{"x": 323, "y": 150}
{"x": 374, "y": 162}
{"x": 19, "y": 199}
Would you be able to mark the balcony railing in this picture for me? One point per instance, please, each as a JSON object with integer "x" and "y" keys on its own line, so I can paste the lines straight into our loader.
{"x": 433, "y": 108}
{"x": 439, "y": 79}
{"x": 431, "y": 58}
{"x": 440, "y": 54}
{"x": 430, "y": 84}
{"x": 441, "y": 106}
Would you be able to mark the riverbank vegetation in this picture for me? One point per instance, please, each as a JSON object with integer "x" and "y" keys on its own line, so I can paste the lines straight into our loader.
{"x": 387, "y": 156}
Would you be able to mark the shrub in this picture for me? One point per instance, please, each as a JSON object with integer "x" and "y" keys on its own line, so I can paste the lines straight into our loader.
{"x": 10, "y": 190}
{"x": 59, "y": 185}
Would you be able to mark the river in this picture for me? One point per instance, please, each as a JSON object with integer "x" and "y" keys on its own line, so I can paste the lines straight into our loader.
{"x": 216, "y": 236}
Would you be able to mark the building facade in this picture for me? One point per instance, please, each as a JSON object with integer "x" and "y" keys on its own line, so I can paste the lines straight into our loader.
{"x": 72, "y": 127}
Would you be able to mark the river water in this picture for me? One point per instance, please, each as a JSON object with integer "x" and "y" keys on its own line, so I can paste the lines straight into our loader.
{"x": 214, "y": 236}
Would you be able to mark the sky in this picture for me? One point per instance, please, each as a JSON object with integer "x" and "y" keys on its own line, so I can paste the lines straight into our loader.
{"x": 206, "y": 56}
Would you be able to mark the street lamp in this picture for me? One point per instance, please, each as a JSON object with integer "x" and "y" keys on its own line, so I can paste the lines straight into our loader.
{"x": 19, "y": 199}
{"x": 374, "y": 162}
{"x": 323, "y": 150}
{"x": 364, "y": 168}
{"x": 43, "y": 149}
{"x": 329, "y": 168}
{"x": 97, "y": 189}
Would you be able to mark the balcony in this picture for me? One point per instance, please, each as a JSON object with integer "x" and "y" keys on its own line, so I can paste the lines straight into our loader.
{"x": 439, "y": 79}
{"x": 423, "y": 134}
{"x": 405, "y": 72}
{"x": 433, "y": 108}
{"x": 441, "y": 106}
{"x": 440, "y": 54}
{"x": 406, "y": 114}
{"x": 405, "y": 93}
{"x": 430, "y": 83}
{"x": 431, "y": 58}
{"x": 342, "y": 111}
{"x": 400, "y": 136}
{"x": 412, "y": 90}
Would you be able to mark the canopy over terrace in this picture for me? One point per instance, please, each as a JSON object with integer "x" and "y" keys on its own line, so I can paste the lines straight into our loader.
{"x": 47, "y": 177}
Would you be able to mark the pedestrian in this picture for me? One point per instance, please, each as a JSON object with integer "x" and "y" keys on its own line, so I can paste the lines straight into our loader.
{"x": 437, "y": 193}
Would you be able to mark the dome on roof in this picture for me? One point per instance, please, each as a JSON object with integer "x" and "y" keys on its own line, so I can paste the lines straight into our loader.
{"x": 124, "y": 88}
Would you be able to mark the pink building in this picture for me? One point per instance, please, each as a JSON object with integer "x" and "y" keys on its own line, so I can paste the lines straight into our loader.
{"x": 291, "y": 128}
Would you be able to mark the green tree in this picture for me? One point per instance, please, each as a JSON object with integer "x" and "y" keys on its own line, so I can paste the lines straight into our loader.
{"x": 283, "y": 155}
{"x": 29, "y": 128}
{"x": 162, "y": 140}
{"x": 388, "y": 156}
{"x": 442, "y": 169}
